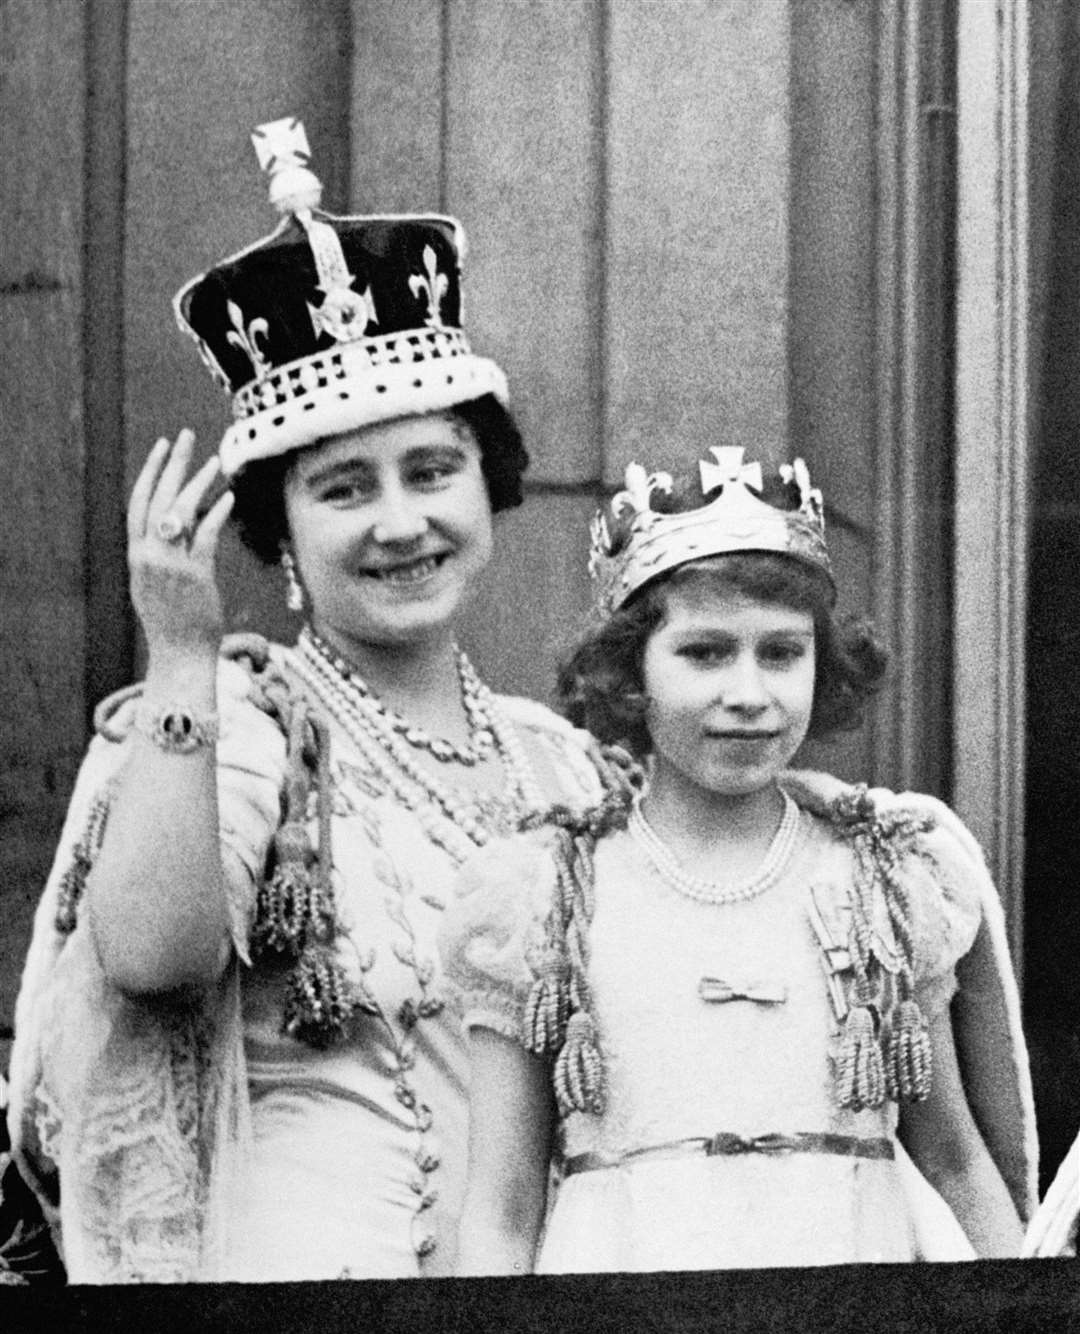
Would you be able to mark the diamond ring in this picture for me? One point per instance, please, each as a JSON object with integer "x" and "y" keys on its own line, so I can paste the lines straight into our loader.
{"x": 171, "y": 528}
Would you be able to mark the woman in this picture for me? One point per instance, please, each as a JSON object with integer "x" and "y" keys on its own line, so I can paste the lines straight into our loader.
{"x": 233, "y": 1054}
{"x": 722, "y": 1009}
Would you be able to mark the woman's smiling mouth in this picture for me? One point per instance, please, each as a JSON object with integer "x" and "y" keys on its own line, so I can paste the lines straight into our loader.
{"x": 407, "y": 572}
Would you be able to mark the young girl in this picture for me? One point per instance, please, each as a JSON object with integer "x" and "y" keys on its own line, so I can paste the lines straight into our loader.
{"x": 714, "y": 1020}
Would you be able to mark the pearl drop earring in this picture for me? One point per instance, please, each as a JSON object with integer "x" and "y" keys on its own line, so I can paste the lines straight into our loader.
{"x": 294, "y": 595}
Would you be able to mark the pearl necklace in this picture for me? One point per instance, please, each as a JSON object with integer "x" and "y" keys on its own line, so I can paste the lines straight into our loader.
{"x": 671, "y": 871}
{"x": 445, "y": 818}
{"x": 475, "y": 697}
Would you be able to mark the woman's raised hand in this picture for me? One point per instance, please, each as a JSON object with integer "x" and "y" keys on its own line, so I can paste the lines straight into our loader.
{"x": 172, "y": 548}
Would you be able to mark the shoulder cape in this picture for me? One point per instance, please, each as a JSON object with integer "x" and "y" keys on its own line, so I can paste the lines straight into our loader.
{"x": 989, "y": 1038}
{"x": 139, "y": 1106}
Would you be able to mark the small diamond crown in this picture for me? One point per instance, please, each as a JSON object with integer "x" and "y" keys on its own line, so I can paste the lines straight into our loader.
{"x": 654, "y": 524}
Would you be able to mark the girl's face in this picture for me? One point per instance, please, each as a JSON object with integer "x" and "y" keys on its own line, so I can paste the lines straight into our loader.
{"x": 390, "y": 527}
{"x": 730, "y": 688}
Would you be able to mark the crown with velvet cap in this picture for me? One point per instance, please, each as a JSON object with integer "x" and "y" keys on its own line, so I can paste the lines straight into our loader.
{"x": 657, "y": 522}
{"x": 332, "y": 323}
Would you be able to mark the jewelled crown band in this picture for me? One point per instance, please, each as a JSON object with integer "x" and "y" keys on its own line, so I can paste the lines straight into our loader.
{"x": 332, "y": 323}
{"x": 655, "y": 524}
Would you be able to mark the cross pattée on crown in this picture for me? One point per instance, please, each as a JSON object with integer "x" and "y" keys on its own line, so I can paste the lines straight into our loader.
{"x": 729, "y": 467}
{"x": 281, "y": 143}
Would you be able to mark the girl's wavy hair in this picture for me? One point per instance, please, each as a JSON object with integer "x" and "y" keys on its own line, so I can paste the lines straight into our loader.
{"x": 259, "y": 490}
{"x": 600, "y": 682}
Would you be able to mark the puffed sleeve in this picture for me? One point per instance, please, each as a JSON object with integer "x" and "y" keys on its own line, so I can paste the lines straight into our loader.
{"x": 494, "y": 930}
{"x": 946, "y": 871}
{"x": 251, "y": 757}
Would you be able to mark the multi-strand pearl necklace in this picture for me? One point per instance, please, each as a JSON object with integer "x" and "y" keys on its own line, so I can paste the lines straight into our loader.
{"x": 671, "y": 871}
{"x": 475, "y": 697}
{"x": 447, "y": 818}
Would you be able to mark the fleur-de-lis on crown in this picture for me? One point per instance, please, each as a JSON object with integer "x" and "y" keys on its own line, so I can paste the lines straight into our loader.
{"x": 810, "y": 498}
{"x": 729, "y": 467}
{"x": 638, "y": 488}
{"x": 245, "y": 339}
{"x": 434, "y": 286}
{"x": 599, "y": 542}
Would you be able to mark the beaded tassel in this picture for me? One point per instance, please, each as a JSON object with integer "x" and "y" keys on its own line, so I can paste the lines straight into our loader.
{"x": 299, "y": 904}
{"x": 295, "y": 910}
{"x": 909, "y": 1061}
{"x": 320, "y": 1000}
{"x": 547, "y": 1007}
{"x": 555, "y": 991}
{"x": 861, "y": 1069}
{"x": 289, "y": 907}
{"x": 872, "y": 1066}
{"x": 860, "y": 1075}
{"x": 908, "y": 1057}
{"x": 292, "y": 907}
{"x": 557, "y": 1014}
{"x": 579, "y": 1068}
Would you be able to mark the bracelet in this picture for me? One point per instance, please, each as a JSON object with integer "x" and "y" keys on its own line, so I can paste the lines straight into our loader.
{"x": 176, "y": 728}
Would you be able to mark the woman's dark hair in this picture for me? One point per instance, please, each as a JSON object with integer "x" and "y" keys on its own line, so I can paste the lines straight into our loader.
{"x": 601, "y": 684}
{"x": 259, "y": 490}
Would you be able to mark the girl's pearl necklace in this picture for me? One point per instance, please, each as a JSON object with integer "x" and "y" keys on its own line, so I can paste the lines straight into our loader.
{"x": 445, "y": 818}
{"x": 671, "y": 871}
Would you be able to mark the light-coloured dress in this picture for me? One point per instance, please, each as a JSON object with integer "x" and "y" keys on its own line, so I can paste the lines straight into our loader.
{"x": 207, "y": 1142}
{"x": 1053, "y": 1231}
{"x": 681, "y": 1063}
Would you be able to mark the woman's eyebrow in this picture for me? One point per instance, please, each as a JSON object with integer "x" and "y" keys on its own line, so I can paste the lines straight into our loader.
{"x": 440, "y": 449}
{"x": 340, "y": 468}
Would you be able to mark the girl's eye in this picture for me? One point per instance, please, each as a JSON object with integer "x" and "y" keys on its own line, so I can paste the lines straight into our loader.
{"x": 432, "y": 475}
{"x": 783, "y": 652}
{"x": 705, "y": 653}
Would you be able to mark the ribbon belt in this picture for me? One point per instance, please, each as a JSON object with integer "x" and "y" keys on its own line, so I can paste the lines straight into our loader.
{"x": 727, "y": 1142}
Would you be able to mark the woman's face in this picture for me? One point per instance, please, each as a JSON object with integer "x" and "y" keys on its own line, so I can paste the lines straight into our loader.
{"x": 390, "y": 526}
{"x": 730, "y": 688}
